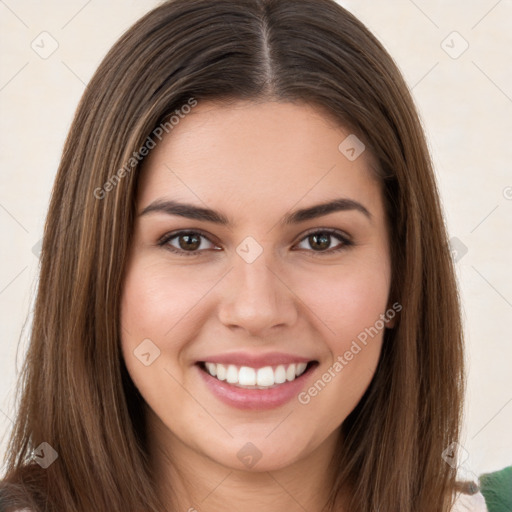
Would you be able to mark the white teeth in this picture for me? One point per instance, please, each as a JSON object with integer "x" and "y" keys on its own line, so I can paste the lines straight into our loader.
{"x": 212, "y": 368}
{"x": 265, "y": 376}
{"x": 246, "y": 376}
{"x": 290, "y": 372}
{"x": 221, "y": 371}
{"x": 300, "y": 368}
{"x": 280, "y": 374}
{"x": 232, "y": 374}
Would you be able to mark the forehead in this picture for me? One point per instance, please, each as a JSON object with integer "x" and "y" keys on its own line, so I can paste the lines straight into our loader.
{"x": 254, "y": 153}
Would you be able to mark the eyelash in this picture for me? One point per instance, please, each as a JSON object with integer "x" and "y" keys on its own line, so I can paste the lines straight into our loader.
{"x": 346, "y": 242}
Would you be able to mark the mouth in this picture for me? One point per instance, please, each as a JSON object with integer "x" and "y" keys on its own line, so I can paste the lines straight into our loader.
{"x": 262, "y": 378}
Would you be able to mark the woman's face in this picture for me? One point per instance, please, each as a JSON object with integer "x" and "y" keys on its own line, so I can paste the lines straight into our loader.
{"x": 245, "y": 281}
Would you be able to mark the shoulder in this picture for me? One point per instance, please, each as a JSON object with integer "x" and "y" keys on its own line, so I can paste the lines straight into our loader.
{"x": 469, "y": 503}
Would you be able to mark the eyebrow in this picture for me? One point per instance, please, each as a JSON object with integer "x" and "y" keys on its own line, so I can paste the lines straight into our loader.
{"x": 171, "y": 207}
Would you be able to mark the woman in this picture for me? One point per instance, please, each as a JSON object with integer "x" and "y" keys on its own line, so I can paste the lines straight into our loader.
{"x": 246, "y": 297}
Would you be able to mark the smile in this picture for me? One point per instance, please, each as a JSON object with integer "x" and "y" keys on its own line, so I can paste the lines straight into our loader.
{"x": 255, "y": 378}
{"x": 252, "y": 381}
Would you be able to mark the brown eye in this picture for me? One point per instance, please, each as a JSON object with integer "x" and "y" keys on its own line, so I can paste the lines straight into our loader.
{"x": 188, "y": 242}
{"x": 320, "y": 241}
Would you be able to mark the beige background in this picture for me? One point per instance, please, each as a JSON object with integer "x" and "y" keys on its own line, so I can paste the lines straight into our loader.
{"x": 465, "y": 99}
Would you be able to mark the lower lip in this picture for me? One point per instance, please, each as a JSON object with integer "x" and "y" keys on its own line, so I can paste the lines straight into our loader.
{"x": 243, "y": 398}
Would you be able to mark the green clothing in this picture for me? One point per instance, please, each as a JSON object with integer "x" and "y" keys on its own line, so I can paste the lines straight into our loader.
{"x": 496, "y": 488}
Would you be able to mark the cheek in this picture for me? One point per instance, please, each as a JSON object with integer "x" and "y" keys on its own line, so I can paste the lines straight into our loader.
{"x": 155, "y": 300}
{"x": 161, "y": 304}
{"x": 346, "y": 299}
{"x": 350, "y": 310}
{"x": 150, "y": 307}
{"x": 156, "y": 305}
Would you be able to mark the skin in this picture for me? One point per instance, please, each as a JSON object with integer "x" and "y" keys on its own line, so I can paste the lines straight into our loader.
{"x": 255, "y": 163}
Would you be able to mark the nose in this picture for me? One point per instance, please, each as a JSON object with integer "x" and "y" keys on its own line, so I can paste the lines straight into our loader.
{"x": 256, "y": 298}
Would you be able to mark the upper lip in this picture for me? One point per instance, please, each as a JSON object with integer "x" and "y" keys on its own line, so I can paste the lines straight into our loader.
{"x": 256, "y": 360}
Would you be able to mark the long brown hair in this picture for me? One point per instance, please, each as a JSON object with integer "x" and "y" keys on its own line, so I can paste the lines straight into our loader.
{"x": 75, "y": 392}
